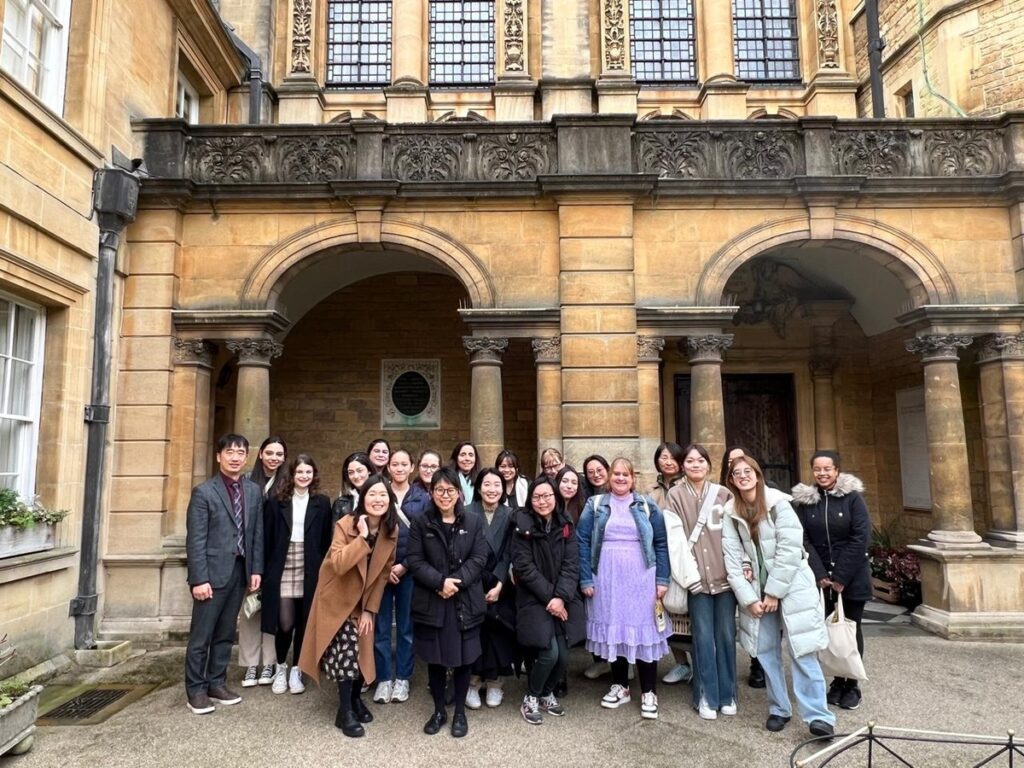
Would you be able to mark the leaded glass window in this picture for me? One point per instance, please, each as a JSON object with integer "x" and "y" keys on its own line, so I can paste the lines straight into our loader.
{"x": 662, "y": 41}
{"x": 461, "y": 42}
{"x": 358, "y": 43}
{"x": 765, "y": 40}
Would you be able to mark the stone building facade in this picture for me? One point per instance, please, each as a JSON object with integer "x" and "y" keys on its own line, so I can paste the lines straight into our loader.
{"x": 551, "y": 236}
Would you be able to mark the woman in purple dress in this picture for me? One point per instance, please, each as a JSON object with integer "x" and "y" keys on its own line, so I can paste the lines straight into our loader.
{"x": 624, "y": 573}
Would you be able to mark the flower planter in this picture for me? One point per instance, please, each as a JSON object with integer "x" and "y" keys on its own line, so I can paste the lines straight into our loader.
{"x": 886, "y": 591}
{"x": 19, "y": 541}
{"x": 18, "y": 722}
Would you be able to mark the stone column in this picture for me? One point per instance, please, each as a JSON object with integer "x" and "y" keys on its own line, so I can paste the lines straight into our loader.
{"x": 515, "y": 89}
{"x": 617, "y": 90}
{"x": 950, "y": 480}
{"x": 407, "y": 95}
{"x": 707, "y": 411}
{"x": 252, "y": 401}
{"x": 1001, "y": 367}
{"x": 566, "y": 78}
{"x": 830, "y": 90}
{"x": 825, "y": 437}
{"x": 547, "y": 353}
{"x": 648, "y": 377}
{"x": 300, "y": 95}
{"x": 721, "y": 95}
{"x": 486, "y": 405}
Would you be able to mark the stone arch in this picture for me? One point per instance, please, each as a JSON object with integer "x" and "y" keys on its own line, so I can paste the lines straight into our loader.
{"x": 924, "y": 277}
{"x": 263, "y": 286}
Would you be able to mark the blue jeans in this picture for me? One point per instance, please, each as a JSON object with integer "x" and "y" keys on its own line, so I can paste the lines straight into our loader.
{"x": 713, "y": 625}
{"x": 808, "y": 681}
{"x": 397, "y": 602}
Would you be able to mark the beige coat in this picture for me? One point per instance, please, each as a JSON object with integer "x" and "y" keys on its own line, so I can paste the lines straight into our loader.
{"x": 348, "y": 586}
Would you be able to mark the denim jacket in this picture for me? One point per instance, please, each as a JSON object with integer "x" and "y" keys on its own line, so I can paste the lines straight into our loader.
{"x": 649, "y": 523}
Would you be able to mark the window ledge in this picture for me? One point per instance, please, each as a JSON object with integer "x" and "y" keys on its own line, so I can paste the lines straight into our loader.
{"x": 36, "y": 563}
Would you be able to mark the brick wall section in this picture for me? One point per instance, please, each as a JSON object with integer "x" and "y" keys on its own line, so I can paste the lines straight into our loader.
{"x": 325, "y": 389}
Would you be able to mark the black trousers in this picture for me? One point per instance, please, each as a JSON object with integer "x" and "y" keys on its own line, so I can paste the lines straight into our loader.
{"x": 212, "y": 633}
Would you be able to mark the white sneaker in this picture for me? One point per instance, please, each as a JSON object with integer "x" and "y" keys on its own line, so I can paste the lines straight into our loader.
{"x": 384, "y": 692}
{"x": 705, "y": 711}
{"x": 295, "y": 681}
{"x": 280, "y": 684}
{"x": 680, "y": 673}
{"x": 649, "y": 705}
{"x": 400, "y": 692}
{"x": 494, "y": 697}
{"x": 595, "y": 670}
{"x": 267, "y": 674}
{"x": 250, "y": 680}
{"x": 616, "y": 697}
{"x": 728, "y": 709}
{"x": 473, "y": 698}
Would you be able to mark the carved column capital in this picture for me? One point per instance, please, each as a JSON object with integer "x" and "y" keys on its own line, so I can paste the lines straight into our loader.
{"x": 821, "y": 367}
{"x": 938, "y": 346}
{"x": 1002, "y": 346}
{"x": 483, "y": 349}
{"x": 708, "y": 349}
{"x": 193, "y": 352}
{"x": 256, "y": 352}
{"x": 648, "y": 348}
{"x": 302, "y": 36}
{"x": 547, "y": 350}
{"x": 826, "y": 19}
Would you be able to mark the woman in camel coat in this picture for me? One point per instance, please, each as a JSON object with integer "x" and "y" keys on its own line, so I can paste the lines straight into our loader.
{"x": 340, "y": 628}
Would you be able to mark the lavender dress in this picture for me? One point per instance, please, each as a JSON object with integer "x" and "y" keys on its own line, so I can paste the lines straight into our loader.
{"x": 620, "y": 619}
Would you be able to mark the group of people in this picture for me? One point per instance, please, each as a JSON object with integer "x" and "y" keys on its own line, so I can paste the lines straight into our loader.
{"x": 485, "y": 574}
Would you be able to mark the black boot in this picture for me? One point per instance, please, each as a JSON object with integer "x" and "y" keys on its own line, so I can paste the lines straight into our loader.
{"x": 363, "y": 715}
{"x": 346, "y": 719}
{"x": 851, "y": 696}
{"x": 835, "y": 691}
{"x": 756, "y": 679}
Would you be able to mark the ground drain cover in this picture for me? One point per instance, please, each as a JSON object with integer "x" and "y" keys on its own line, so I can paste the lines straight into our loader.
{"x": 88, "y": 705}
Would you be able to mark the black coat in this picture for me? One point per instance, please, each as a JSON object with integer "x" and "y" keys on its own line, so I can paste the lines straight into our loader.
{"x": 433, "y": 557}
{"x": 837, "y": 532}
{"x": 546, "y": 565}
{"x": 277, "y": 532}
{"x": 343, "y": 505}
{"x": 499, "y": 562}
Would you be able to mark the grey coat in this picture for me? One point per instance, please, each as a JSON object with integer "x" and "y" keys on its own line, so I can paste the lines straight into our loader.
{"x": 790, "y": 578}
{"x": 211, "y": 532}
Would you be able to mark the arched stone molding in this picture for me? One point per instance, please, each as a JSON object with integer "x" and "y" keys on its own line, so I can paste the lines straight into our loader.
{"x": 267, "y": 279}
{"x": 926, "y": 280}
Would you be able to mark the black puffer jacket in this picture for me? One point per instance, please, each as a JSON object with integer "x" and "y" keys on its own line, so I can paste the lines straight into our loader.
{"x": 546, "y": 564}
{"x": 837, "y": 532}
{"x": 434, "y": 557}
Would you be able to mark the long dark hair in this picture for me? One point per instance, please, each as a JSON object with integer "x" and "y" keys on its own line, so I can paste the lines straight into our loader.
{"x": 287, "y": 487}
{"x": 450, "y": 476}
{"x": 724, "y": 474}
{"x": 574, "y": 506}
{"x": 391, "y": 517}
{"x": 559, "y": 514}
{"x": 507, "y": 455}
{"x": 593, "y": 490}
{"x": 480, "y": 481}
{"x": 259, "y": 474}
{"x": 453, "y": 462}
{"x": 359, "y": 458}
{"x": 419, "y": 460}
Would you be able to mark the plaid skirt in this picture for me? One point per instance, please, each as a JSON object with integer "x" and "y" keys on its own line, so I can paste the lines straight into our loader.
{"x": 293, "y": 576}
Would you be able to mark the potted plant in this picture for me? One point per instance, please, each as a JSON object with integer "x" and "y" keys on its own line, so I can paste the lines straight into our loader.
{"x": 19, "y": 703}
{"x": 895, "y": 571}
{"x": 26, "y": 526}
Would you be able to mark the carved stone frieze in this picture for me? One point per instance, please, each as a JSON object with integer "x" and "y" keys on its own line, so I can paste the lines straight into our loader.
{"x": 938, "y": 346}
{"x": 514, "y": 42}
{"x": 193, "y": 352}
{"x": 675, "y": 154}
{"x": 483, "y": 349}
{"x": 648, "y": 348}
{"x": 871, "y": 153}
{"x": 255, "y": 351}
{"x": 425, "y": 158}
{"x": 963, "y": 152}
{"x": 302, "y": 34}
{"x": 515, "y": 156}
{"x": 227, "y": 159}
{"x": 547, "y": 350}
{"x": 708, "y": 349}
{"x": 826, "y": 17}
{"x": 314, "y": 158}
{"x": 822, "y": 367}
{"x": 768, "y": 154}
{"x": 613, "y": 32}
{"x": 1002, "y": 346}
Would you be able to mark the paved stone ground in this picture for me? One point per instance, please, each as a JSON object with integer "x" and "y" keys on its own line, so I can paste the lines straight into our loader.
{"x": 918, "y": 681}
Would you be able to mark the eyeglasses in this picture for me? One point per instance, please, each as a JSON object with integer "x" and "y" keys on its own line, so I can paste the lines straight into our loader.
{"x": 431, "y": 467}
{"x": 553, "y": 466}
{"x": 446, "y": 491}
{"x": 543, "y": 496}
{"x": 742, "y": 473}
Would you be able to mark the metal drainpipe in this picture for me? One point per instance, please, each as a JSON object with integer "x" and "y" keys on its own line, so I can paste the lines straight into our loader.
{"x": 875, "y": 47}
{"x": 115, "y": 200}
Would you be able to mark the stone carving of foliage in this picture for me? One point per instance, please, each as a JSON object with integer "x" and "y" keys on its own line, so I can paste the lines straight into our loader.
{"x": 226, "y": 159}
{"x": 769, "y": 154}
{"x": 614, "y": 31}
{"x": 302, "y": 28}
{"x": 314, "y": 158}
{"x": 962, "y": 152}
{"x": 514, "y": 43}
{"x": 827, "y": 20}
{"x": 425, "y": 158}
{"x": 514, "y": 156}
{"x": 871, "y": 153}
{"x": 675, "y": 154}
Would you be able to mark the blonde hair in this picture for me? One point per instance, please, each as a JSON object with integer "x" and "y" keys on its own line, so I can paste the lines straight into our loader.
{"x": 628, "y": 465}
{"x": 752, "y": 514}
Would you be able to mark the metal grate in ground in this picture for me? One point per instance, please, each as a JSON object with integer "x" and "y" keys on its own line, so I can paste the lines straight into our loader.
{"x": 89, "y": 705}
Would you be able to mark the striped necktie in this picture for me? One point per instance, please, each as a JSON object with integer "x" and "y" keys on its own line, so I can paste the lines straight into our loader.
{"x": 236, "y": 510}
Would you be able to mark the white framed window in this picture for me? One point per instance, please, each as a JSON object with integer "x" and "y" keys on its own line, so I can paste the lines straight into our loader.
{"x": 35, "y": 47}
{"x": 22, "y": 330}
{"x": 186, "y": 102}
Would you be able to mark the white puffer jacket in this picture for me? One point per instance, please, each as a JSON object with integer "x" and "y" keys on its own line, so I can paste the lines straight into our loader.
{"x": 790, "y": 578}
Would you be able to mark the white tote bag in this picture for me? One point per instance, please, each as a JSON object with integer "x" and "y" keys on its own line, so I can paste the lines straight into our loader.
{"x": 841, "y": 658}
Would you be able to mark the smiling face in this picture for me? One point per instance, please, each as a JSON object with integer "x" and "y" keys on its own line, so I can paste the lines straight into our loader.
{"x": 445, "y": 496}
{"x": 695, "y": 466}
{"x": 232, "y": 459}
{"x": 568, "y": 485}
{"x": 743, "y": 476}
{"x": 825, "y": 472}
{"x": 399, "y": 467}
{"x": 507, "y": 469}
{"x": 597, "y": 475}
{"x": 303, "y": 476}
{"x": 552, "y": 465}
{"x": 380, "y": 454}
{"x": 542, "y": 500}
{"x": 667, "y": 464}
{"x": 357, "y": 474}
{"x": 491, "y": 489}
{"x": 466, "y": 459}
{"x": 272, "y": 456}
{"x": 376, "y": 501}
{"x": 622, "y": 478}
{"x": 429, "y": 464}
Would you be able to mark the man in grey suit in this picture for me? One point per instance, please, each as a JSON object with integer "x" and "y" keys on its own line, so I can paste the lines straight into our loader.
{"x": 224, "y": 545}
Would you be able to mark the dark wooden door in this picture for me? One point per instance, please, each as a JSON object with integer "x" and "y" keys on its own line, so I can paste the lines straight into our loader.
{"x": 759, "y": 415}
